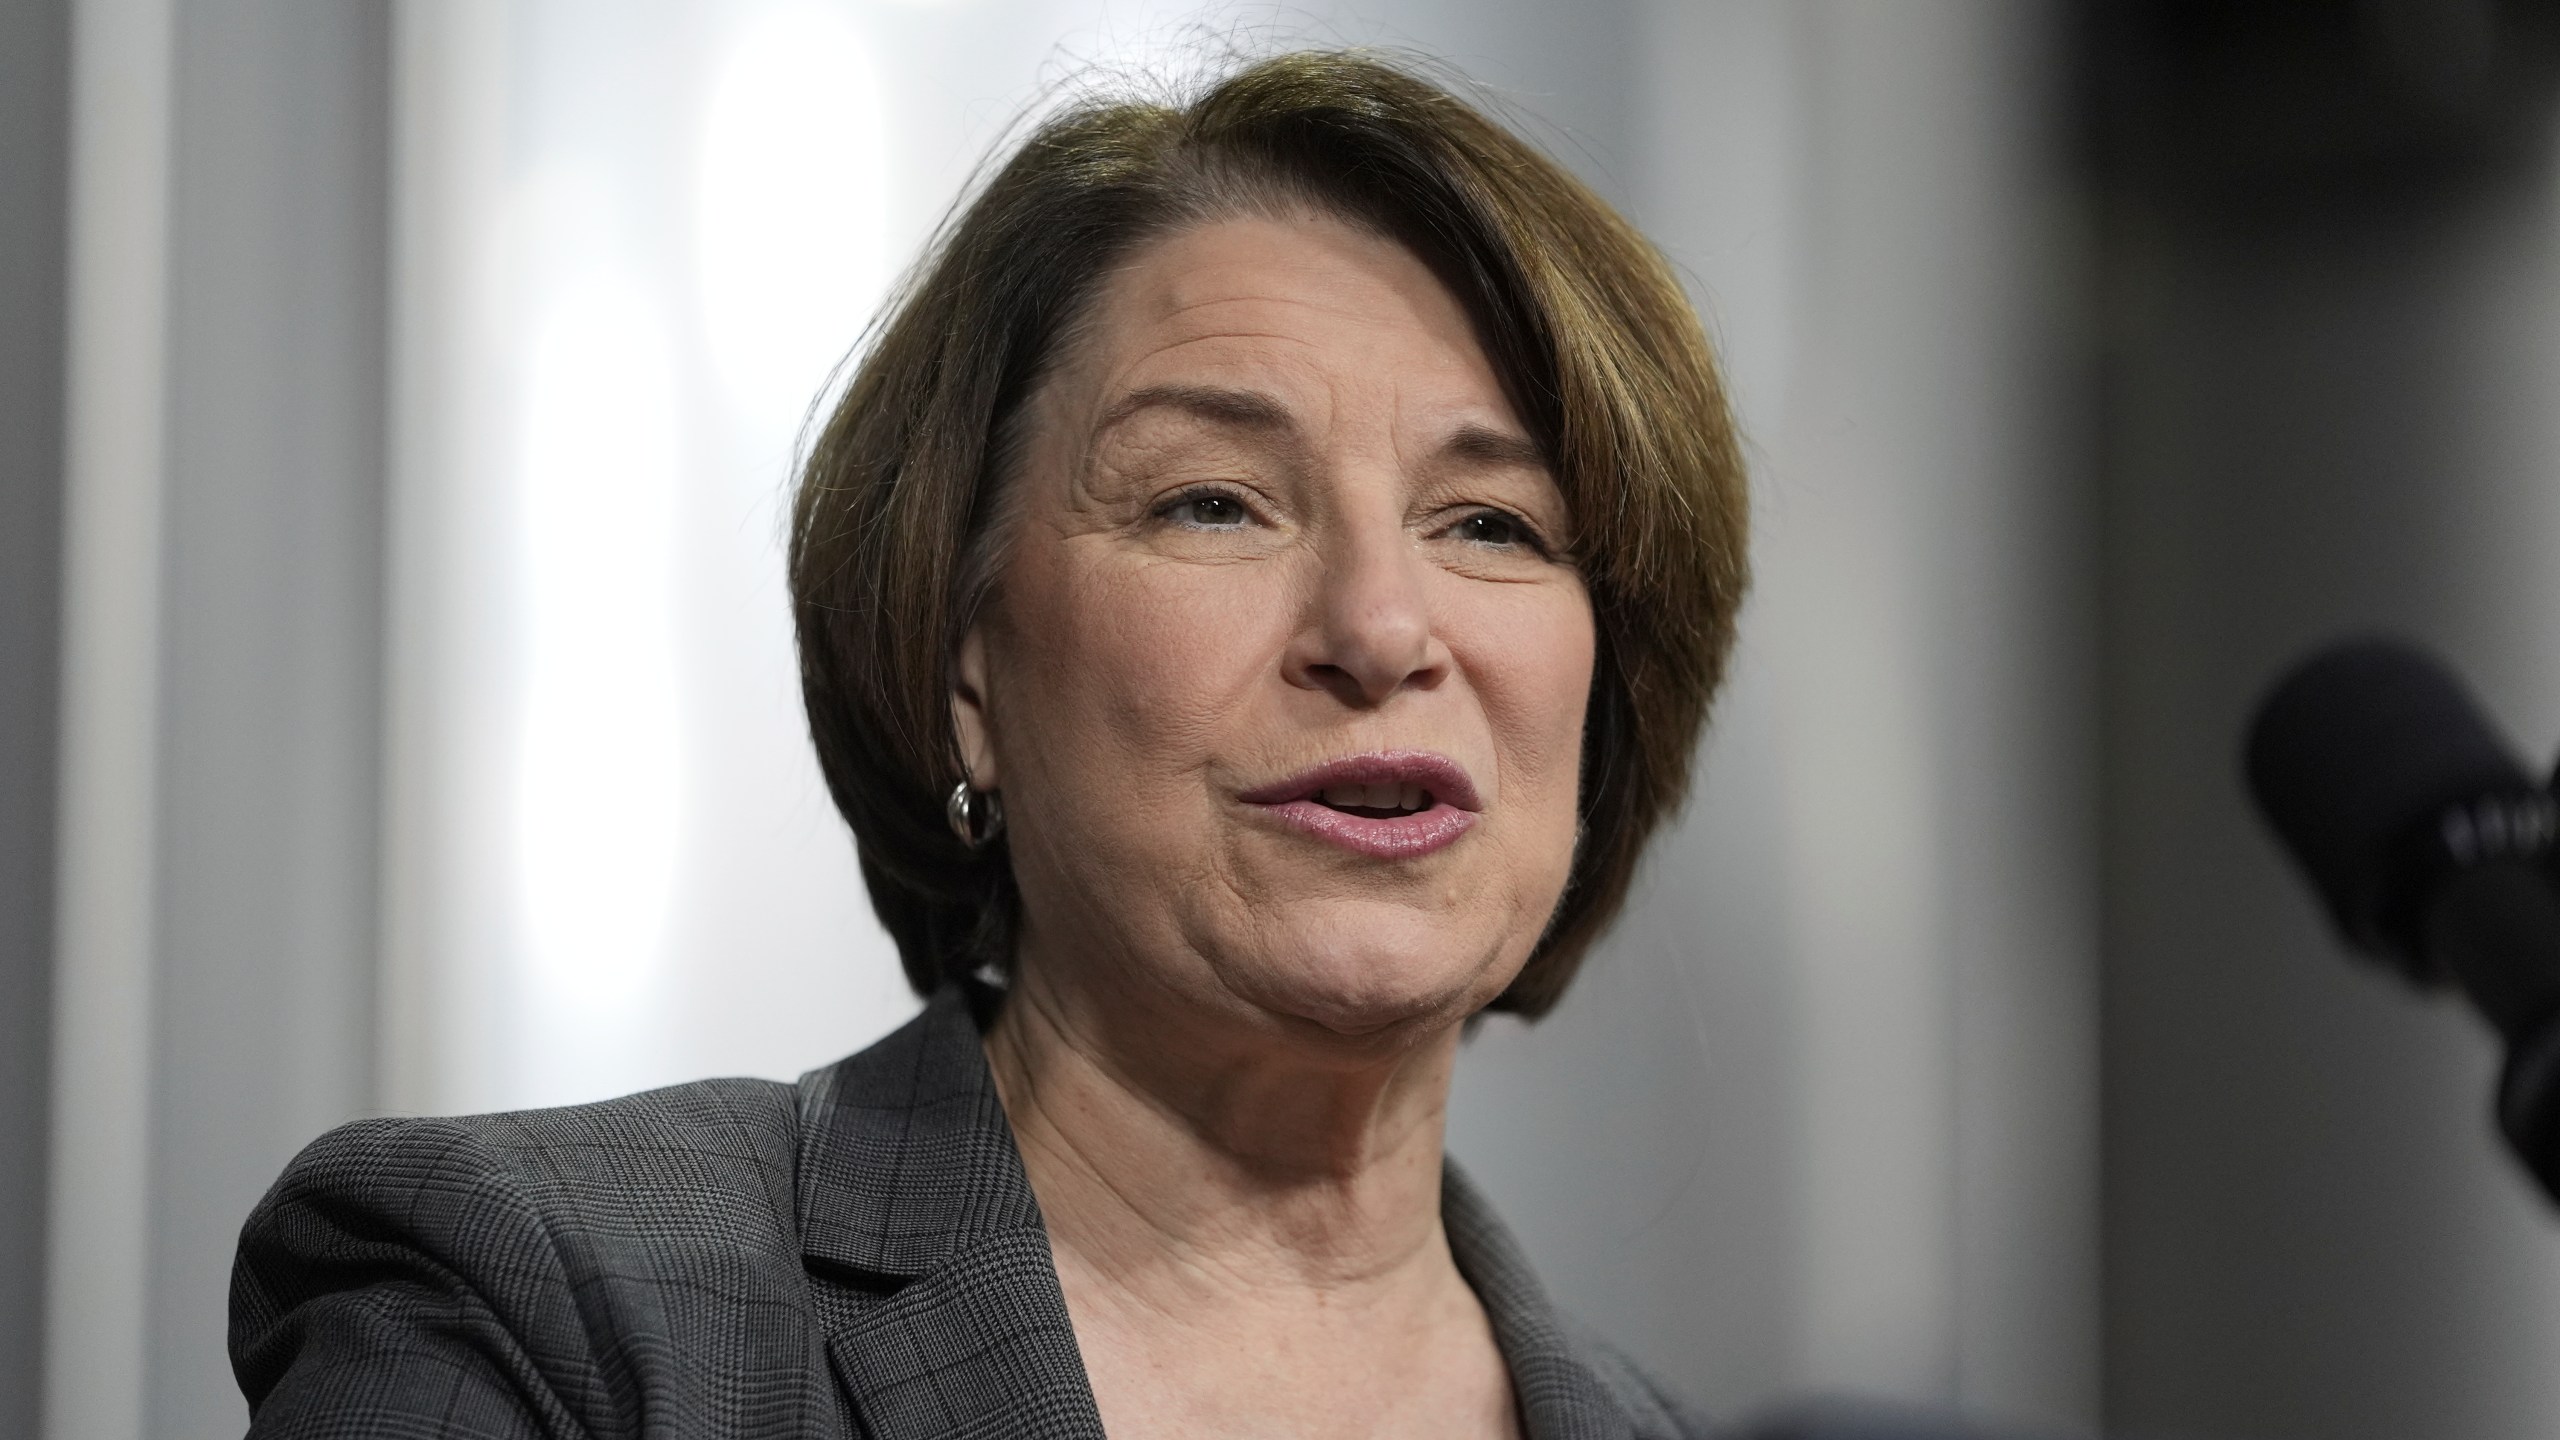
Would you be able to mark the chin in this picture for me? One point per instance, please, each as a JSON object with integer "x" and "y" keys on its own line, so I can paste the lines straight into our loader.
{"x": 1363, "y": 974}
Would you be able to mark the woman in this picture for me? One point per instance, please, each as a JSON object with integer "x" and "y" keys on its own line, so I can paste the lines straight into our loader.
{"x": 1256, "y": 597}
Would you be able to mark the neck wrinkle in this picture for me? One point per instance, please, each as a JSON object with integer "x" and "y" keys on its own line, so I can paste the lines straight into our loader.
{"x": 1173, "y": 1179}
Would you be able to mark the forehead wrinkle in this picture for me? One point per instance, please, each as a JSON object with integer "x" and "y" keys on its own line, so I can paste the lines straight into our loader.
{"x": 1179, "y": 304}
{"x": 1378, "y": 321}
{"x": 1183, "y": 342}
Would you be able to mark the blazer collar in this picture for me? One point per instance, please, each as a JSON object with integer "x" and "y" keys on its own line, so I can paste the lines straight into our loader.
{"x": 910, "y": 1184}
{"x": 905, "y": 1156}
{"x": 913, "y": 1197}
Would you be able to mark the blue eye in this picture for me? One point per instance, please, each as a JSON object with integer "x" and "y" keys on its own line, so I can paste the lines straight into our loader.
{"x": 1208, "y": 511}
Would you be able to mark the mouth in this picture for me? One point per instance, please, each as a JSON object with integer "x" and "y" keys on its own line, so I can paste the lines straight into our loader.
{"x": 1392, "y": 805}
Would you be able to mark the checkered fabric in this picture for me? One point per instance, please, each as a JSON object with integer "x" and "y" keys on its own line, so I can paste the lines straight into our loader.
{"x": 857, "y": 1255}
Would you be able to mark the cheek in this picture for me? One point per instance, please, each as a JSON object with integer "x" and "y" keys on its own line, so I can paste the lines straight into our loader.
{"x": 1116, "y": 663}
{"x": 1529, "y": 656}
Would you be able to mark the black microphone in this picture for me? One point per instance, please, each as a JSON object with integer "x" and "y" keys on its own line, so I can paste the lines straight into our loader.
{"x": 2431, "y": 847}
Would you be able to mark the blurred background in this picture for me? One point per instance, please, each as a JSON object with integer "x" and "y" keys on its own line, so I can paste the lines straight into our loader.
{"x": 397, "y": 402}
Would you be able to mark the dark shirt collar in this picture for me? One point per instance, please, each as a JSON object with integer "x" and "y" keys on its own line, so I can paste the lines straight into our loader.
{"x": 910, "y": 1184}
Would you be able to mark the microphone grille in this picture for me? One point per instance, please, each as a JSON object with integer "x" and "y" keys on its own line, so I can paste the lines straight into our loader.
{"x": 2351, "y": 751}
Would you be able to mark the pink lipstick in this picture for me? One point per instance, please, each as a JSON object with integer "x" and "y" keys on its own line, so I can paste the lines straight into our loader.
{"x": 1393, "y": 805}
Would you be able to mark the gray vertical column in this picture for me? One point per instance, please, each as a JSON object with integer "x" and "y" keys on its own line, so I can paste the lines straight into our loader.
{"x": 35, "y": 100}
{"x": 1931, "y": 592}
{"x": 271, "y": 632}
{"x": 1820, "y": 1115}
{"x": 220, "y": 669}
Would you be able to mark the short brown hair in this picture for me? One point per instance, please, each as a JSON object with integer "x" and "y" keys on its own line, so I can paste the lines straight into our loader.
{"x": 894, "y": 542}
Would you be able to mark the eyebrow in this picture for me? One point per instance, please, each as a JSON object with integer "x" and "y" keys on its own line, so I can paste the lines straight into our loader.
{"x": 1242, "y": 409}
{"x": 1485, "y": 446}
{"x": 1253, "y": 410}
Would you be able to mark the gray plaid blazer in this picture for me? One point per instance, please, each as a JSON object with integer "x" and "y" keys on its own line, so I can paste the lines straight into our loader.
{"x": 857, "y": 1255}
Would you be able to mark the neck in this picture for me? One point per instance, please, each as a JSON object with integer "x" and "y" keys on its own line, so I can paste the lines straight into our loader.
{"x": 1220, "y": 1183}
{"x": 1189, "y": 1161}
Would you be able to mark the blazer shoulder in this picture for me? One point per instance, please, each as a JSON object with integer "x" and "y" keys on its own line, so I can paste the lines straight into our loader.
{"x": 709, "y": 1163}
{"x": 1653, "y": 1410}
{"x": 578, "y": 1264}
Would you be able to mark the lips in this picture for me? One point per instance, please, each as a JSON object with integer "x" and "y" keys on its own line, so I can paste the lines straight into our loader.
{"x": 1392, "y": 805}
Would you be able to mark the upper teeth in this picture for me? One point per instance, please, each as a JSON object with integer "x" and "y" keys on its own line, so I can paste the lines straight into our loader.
{"x": 1386, "y": 795}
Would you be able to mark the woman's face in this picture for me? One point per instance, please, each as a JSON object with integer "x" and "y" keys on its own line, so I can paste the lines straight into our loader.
{"x": 1284, "y": 676}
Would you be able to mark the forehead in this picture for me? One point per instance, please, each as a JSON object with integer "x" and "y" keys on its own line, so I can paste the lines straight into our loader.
{"x": 1304, "y": 294}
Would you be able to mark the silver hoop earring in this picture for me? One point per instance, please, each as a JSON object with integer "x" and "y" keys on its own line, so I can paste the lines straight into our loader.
{"x": 974, "y": 818}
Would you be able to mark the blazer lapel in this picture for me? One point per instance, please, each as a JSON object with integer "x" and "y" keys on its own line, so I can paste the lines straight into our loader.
{"x": 925, "y": 1246}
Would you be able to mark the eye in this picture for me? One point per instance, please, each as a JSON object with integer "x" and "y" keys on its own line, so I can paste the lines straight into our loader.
{"x": 1496, "y": 528}
{"x": 1206, "y": 510}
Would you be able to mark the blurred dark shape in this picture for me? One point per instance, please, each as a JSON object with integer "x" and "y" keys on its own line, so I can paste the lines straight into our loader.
{"x": 2355, "y": 757}
{"x": 2432, "y": 848}
{"x": 2252, "y": 104}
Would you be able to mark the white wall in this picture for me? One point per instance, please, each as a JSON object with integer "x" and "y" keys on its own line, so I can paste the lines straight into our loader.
{"x": 630, "y": 248}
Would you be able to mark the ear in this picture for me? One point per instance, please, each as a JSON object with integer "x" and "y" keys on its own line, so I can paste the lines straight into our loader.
{"x": 971, "y": 724}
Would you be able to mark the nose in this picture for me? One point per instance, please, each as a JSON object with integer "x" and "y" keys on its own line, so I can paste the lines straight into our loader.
{"x": 1368, "y": 628}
